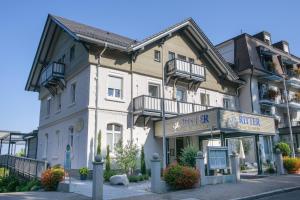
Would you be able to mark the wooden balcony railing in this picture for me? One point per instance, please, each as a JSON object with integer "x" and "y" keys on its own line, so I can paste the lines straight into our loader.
{"x": 184, "y": 69}
{"x": 23, "y": 166}
{"x": 52, "y": 71}
{"x": 152, "y": 106}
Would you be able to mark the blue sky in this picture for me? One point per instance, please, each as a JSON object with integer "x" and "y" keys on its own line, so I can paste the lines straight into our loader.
{"x": 22, "y": 23}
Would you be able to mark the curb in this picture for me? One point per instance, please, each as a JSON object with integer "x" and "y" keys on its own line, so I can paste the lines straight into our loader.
{"x": 267, "y": 194}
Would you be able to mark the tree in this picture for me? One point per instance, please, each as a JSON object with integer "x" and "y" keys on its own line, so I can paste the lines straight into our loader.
{"x": 107, "y": 159}
{"x": 143, "y": 163}
{"x": 126, "y": 156}
{"x": 99, "y": 143}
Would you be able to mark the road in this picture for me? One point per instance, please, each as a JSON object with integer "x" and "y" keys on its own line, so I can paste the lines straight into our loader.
{"x": 295, "y": 195}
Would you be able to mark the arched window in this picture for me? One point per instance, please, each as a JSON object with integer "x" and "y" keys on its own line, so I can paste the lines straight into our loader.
{"x": 114, "y": 135}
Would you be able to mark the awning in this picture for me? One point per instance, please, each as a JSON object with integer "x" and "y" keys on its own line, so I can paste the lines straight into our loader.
{"x": 217, "y": 120}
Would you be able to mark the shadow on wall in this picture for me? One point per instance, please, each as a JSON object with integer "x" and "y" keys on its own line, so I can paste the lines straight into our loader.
{"x": 91, "y": 157}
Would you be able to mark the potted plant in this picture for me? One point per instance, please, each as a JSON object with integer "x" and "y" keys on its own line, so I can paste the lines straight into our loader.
{"x": 83, "y": 173}
{"x": 272, "y": 94}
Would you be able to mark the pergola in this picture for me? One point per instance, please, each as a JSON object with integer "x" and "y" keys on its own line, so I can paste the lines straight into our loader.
{"x": 12, "y": 138}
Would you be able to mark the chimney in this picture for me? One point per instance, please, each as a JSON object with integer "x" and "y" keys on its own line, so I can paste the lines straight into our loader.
{"x": 264, "y": 36}
{"x": 282, "y": 45}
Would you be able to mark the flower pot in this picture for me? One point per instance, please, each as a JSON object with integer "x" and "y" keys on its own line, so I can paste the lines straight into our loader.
{"x": 83, "y": 176}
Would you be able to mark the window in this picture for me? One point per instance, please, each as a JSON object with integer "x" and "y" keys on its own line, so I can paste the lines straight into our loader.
{"x": 181, "y": 57}
{"x": 171, "y": 55}
{"x": 72, "y": 53}
{"x": 180, "y": 94}
{"x": 153, "y": 90}
{"x": 62, "y": 59}
{"x": 157, "y": 56}
{"x": 205, "y": 99}
{"x": 114, "y": 135}
{"x": 73, "y": 93}
{"x": 226, "y": 103}
{"x": 71, "y": 132}
{"x": 48, "y": 105}
{"x": 46, "y": 147}
{"x": 266, "y": 110}
{"x": 58, "y": 102}
{"x": 114, "y": 87}
{"x": 57, "y": 140}
{"x": 191, "y": 60}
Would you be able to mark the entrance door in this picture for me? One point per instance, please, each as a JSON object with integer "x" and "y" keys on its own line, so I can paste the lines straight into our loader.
{"x": 179, "y": 147}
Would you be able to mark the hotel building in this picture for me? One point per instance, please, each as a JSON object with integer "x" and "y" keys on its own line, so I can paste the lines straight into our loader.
{"x": 173, "y": 85}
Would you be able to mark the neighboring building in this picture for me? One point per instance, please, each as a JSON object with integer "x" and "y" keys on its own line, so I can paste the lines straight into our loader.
{"x": 92, "y": 81}
{"x": 263, "y": 64}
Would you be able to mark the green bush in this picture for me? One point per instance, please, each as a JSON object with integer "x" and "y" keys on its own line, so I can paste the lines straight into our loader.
{"x": 188, "y": 155}
{"x": 181, "y": 177}
{"x": 13, "y": 184}
{"x": 51, "y": 177}
{"x": 284, "y": 148}
{"x": 292, "y": 165}
{"x": 133, "y": 178}
{"x": 107, "y": 159}
{"x": 108, "y": 174}
{"x": 84, "y": 171}
{"x": 143, "y": 163}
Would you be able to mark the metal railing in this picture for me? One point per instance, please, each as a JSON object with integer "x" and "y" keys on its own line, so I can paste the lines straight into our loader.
{"x": 286, "y": 124}
{"x": 293, "y": 74}
{"x": 23, "y": 166}
{"x": 146, "y": 103}
{"x": 187, "y": 69}
{"x": 52, "y": 71}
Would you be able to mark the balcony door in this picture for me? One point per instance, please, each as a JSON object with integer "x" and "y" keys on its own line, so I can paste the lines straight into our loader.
{"x": 181, "y": 94}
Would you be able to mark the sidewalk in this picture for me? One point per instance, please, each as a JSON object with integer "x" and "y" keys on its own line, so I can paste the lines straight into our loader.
{"x": 247, "y": 187}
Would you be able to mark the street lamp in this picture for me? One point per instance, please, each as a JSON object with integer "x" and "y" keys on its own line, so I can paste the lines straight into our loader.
{"x": 288, "y": 116}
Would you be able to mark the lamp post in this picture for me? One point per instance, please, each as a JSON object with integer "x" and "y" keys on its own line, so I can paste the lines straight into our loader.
{"x": 288, "y": 116}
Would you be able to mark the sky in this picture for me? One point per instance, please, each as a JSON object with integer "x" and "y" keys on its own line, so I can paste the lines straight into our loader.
{"x": 22, "y": 24}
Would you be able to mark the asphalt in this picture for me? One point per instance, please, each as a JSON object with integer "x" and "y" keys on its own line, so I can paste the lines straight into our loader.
{"x": 274, "y": 187}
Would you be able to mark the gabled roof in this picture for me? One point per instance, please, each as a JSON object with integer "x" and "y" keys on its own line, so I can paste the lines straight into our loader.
{"x": 92, "y": 35}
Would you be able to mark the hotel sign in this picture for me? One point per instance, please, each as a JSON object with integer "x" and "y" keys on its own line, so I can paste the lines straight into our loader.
{"x": 219, "y": 119}
{"x": 243, "y": 122}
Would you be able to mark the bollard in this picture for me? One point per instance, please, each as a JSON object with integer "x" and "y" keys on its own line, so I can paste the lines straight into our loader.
{"x": 201, "y": 167}
{"x": 279, "y": 162}
{"x": 155, "y": 174}
{"x": 235, "y": 166}
{"x": 97, "y": 178}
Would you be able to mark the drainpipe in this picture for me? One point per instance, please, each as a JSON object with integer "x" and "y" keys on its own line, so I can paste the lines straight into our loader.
{"x": 96, "y": 99}
{"x": 163, "y": 108}
{"x": 252, "y": 70}
{"x": 237, "y": 97}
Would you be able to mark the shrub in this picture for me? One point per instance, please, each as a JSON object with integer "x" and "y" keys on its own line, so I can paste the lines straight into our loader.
{"x": 284, "y": 148}
{"x": 51, "y": 177}
{"x": 126, "y": 156}
{"x": 133, "y": 178}
{"x": 107, "y": 159}
{"x": 188, "y": 156}
{"x": 108, "y": 174}
{"x": 292, "y": 165}
{"x": 181, "y": 177}
{"x": 84, "y": 171}
{"x": 143, "y": 163}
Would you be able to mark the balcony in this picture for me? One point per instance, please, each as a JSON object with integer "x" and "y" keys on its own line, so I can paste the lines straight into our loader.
{"x": 52, "y": 76}
{"x": 286, "y": 125}
{"x": 293, "y": 78}
{"x": 151, "y": 107}
{"x": 268, "y": 97}
{"x": 190, "y": 72}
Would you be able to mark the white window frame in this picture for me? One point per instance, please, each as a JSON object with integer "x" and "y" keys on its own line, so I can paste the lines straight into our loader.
{"x": 226, "y": 103}
{"x": 155, "y": 85}
{"x": 121, "y": 98}
{"x": 207, "y": 99}
{"x": 157, "y": 55}
{"x": 113, "y": 132}
{"x": 184, "y": 93}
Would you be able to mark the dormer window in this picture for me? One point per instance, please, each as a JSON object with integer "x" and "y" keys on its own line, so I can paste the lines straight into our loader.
{"x": 267, "y": 39}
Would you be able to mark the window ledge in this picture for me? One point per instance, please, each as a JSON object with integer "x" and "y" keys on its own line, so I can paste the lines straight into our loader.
{"x": 115, "y": 99}
{"x": 72, "y": 104}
